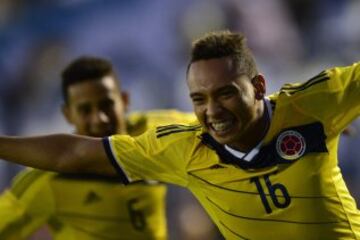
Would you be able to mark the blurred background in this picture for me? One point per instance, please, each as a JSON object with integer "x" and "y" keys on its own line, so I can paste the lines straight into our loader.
{"x": 148, "y": 42}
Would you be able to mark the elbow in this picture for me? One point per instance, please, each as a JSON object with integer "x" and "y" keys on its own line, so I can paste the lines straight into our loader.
{"x": 79, "y": 157}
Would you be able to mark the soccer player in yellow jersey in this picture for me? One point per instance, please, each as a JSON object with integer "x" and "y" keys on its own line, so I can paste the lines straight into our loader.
{"x": 83, "y": 207}
{"x": 262, "y": 167}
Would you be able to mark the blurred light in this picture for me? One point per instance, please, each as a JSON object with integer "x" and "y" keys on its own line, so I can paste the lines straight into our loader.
{"x": 201, "y": 17}
{"x": 72, "y": 3}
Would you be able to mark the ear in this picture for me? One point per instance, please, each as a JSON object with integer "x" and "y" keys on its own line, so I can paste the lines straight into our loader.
{"x": 259, "y": 86}
{"x": 66, "y": 113}
{"x": 126, "y": 100}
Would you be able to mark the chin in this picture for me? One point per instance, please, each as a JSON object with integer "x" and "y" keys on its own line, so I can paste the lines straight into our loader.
{"x": 223, "y": 139}
{"x": 226, "y": 138}
{"x": 100, "y": 134}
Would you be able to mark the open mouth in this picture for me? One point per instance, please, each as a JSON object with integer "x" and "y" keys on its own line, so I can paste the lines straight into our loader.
{"x": 221, "y": 127}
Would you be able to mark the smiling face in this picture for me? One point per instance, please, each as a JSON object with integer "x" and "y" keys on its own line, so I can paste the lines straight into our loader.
{"x": 96, "y": 107}
{"x": 228, "y": 104}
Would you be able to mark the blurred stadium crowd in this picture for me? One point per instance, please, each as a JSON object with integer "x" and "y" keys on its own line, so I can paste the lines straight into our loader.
{"x": 148, "y": 42}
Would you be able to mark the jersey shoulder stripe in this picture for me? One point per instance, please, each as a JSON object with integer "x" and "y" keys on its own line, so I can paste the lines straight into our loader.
{"x": 26, "y": 178}
{"x": 298, "y": 87}
{"x": 139, "y": 122}
{"x": 162, "y": 131}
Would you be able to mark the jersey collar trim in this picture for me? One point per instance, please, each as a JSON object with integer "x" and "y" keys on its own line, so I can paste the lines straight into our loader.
{"x": 249, "y": 156}
{"x": 269, "y": 155}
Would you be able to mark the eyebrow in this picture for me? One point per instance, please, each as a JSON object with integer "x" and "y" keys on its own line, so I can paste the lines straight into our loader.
{"x": 195, "y": 94}
{"x": 223, "y": 88}
{"x": 231, "y": 86}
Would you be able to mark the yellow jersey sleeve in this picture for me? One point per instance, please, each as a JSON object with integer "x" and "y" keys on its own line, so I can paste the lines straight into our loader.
{"x": 332, "y": 97}
{"x": 26, "y": 206}
{"x": 153, "y": 156}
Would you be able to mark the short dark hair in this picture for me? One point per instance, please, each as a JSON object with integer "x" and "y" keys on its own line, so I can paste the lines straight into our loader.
{"x": 225, "y": 44}
{"x": 85, "y": 68}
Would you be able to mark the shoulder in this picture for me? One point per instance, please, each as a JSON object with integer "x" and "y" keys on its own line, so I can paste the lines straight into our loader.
{"x": 159, "y": 138}
{"x": 330, "y": 80}
{"x": 179, "y": 139}
{"x": 168, "y": 116}
{"x": 139, "y": 122}
{"x": 178, "y": 131}
{"x": 311, "y": 85}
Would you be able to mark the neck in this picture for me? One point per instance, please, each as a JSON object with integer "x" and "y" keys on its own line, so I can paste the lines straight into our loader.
{"x": 255, "y": 133}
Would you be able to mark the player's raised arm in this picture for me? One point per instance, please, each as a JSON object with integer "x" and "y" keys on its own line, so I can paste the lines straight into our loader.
{"x": 59, "y": 152}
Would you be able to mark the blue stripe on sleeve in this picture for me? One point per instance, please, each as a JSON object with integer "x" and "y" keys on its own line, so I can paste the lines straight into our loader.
{"x": 114, "y": 163}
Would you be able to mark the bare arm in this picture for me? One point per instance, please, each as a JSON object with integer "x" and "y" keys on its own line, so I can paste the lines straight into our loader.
{"x": 59, "y": 152}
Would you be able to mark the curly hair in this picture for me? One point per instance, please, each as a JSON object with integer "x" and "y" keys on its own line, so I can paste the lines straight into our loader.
{"x": 225, "y": 44}
{"x": 85, "y": 68}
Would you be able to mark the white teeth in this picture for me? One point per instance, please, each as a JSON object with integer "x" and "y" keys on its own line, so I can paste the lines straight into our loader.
{"x": 221, "y": 126}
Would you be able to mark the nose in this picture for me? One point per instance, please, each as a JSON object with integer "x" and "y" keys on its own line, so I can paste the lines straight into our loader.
{"x": 99, "y": 117}
{"x": 213, "y": 108}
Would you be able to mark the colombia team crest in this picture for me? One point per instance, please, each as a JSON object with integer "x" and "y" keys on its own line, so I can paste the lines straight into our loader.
{"x": 290, "y": 145}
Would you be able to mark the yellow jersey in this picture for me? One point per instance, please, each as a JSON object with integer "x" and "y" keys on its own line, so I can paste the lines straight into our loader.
{"x": 291, "y": 189}
{"x": 88, "y": 207}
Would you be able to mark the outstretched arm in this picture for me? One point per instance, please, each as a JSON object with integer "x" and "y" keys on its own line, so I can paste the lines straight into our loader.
{"x": 59, "y": 152}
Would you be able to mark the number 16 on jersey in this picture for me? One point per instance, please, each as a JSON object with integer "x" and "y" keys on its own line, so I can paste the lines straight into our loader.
{"x": 282, "y": 200}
